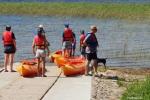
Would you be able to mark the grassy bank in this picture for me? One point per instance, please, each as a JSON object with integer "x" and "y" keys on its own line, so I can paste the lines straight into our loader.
{"x": 96, "y": 10}
{"x": 138, "y": 91}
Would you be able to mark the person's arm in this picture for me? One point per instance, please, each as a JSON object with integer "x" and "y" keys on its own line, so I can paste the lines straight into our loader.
{"x": 3, "y": 40}
{"x": 48, "y": 51}
{"x": 62, "y": 38}
{"x": 74, "y": 38}
{"x": 14, "y": 40}
{"x": 80, "y": 44}
{"x": 86, "y": 40}
{"x": 33, "y": 47}
{"x": 46, "y": 46}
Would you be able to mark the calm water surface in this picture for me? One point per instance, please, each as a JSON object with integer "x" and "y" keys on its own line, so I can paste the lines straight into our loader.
{"x": 123, "y": 43}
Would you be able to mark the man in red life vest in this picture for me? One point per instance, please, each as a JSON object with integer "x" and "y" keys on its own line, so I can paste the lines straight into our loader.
{"x": 9, "y": 47}
{"x": 39, "y": 45}
{"x": 82, "y": 46}
{"x": 67, "y": 40}
{"x": 91, "y": 44}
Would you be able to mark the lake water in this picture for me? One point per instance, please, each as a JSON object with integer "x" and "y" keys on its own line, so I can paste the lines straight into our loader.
{"x": 123, "y": 43}
{"x": 100, "y": 1}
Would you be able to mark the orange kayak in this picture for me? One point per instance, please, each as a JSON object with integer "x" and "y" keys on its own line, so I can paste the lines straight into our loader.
{"x": 73, "y": 69}
{"x": 71, "y": 65}
{"x": 60, "y": 61}
{"x": 55, "y": 55}
{"x": 28, "y": 68}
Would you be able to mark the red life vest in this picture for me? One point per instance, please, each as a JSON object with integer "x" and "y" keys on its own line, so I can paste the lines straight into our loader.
{"x": 82, "y": 37}
{"x": 39, "y": 40}
{"x": 68, "y": 35}
{"x": 7, "y": 37}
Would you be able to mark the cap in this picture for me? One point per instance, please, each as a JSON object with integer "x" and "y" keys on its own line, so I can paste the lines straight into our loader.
{"x": 40, "y": 26}
{"x": 93, "y": 27}
{"x": 8, "y": 26}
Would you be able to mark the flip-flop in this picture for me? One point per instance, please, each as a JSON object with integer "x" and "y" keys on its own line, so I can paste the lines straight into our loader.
{"x": 12, "y": 71}
{"x": 5, "y": 70}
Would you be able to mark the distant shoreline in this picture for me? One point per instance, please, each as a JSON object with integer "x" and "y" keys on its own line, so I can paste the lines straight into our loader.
{"x": 96, "y": 10}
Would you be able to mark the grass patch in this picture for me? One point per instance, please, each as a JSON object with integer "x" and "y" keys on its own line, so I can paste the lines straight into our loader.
{"x": 138, "y": 91}
{"x": 96, "y": 10}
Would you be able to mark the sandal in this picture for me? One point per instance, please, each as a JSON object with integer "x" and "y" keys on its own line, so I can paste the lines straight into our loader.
{"x": 5, "y": 70}
{"x": 44, "y": 76}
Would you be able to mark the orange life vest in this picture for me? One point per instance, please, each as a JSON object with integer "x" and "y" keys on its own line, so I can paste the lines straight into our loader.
{"x": 68, "y": 35}
{"x": 7, "y": 37}
{"x": 39, "y": 40}
{"x": 82, "y": 37}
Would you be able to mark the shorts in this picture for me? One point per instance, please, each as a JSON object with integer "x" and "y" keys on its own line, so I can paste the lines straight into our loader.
{"x": 9, "y": 49}
{"x": 40, "y": 53}
{"x": 67, "y": 45}
{"x": 91, "y": 56}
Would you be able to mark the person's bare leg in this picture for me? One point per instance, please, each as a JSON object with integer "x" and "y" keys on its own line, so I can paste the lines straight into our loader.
{"x": 6, "y": 59}
{"x": 95, "y": 66}
{"x": 66, "y": 53}
{"x": 38, "y": 67}
{"x": 43, "y": 67}
{"x": 11, "y": 62}
{"x": 63, "y": 52}
{"x": 87, "y": 67}
{"x": 69, "y": 52}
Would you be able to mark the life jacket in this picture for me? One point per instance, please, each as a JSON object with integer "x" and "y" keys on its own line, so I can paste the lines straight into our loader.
{"x": 39, "y": 40}
{"x": 68, "y": 35}
{"x": 7, "y": 38}
{"x": 82, "y": 37}
{"x": 92, "y": 41}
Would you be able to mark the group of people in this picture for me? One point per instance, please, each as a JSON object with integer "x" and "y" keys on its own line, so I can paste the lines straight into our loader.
{"x": 88, "y": 47}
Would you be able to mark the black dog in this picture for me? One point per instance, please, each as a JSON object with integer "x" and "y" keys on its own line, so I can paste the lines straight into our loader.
{"x": 102, "y": 60}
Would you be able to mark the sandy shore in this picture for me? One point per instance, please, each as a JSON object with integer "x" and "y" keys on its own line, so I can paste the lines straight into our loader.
{"x": 106, "y": 87}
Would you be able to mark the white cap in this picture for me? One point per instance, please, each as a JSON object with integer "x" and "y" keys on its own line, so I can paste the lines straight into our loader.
{"x": 40, "y": 26}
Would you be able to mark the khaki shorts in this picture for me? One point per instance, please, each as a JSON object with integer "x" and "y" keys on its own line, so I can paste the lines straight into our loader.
{"x": 40, "y": 53}
{"x": 67, "y": 45}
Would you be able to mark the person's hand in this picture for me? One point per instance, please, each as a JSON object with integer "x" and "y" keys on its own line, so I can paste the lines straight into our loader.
{"x": 48, "y": 52}
{"x": 34, "y": 52}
